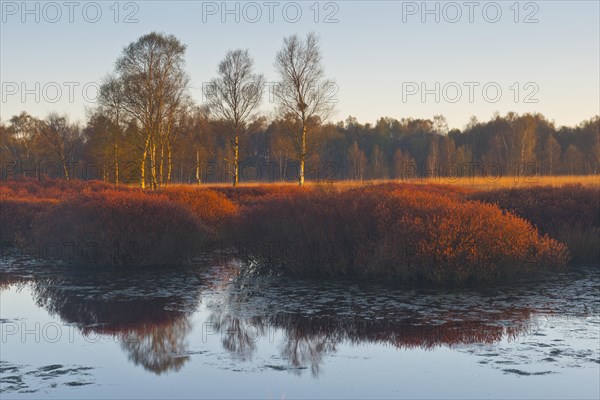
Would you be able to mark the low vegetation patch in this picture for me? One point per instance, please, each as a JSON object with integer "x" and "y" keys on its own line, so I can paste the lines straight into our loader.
{"x": 402, "y": 232}
{"x": 413, "y": 232}
{"x": 119, "y": 228}
{"x": 570, "y": 214}
{"x": 248, "y": 195}
{"x": 17, "y": 216}
{"x": 212, "y": 208}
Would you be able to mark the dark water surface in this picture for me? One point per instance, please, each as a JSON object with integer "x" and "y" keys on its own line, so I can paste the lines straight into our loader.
{"x": 209, "y": 331}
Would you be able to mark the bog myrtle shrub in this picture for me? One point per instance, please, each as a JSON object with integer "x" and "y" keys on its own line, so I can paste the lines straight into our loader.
{"x": 120, "y": 228}
{"x": 406, "y": 233}
{"x": 570, "y": 214}
{"x": 17, "y": 216}
{"x": 212, "y": 208}
{"x": 248, "y": 195}
{"x": 400, "y": 231}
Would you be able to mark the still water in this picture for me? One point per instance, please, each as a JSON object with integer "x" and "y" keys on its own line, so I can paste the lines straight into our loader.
{"x": 210, "y": 331}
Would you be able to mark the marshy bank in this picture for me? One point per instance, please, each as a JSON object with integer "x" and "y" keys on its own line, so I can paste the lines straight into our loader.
{"x": 388, "y": 231}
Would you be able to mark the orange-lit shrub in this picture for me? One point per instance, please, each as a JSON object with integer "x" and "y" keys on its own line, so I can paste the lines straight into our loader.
{"x": 245, "y": 195}
{"x": 213, "y": 209}
{"x": 457, "y": 240}
{"x": 570, "y": 214}
{"x": 405, "y": 233}
{"x": 119, "y": 228}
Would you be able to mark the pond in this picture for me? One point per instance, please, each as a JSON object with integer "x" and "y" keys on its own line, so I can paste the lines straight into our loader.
{"x": 209, "y": 330}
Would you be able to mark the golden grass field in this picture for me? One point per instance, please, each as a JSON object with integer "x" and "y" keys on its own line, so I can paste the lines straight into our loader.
{"x": 475, "y": 183}
{"x": 491, "y": 183}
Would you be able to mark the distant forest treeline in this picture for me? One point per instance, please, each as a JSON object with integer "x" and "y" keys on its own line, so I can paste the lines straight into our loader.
{"x": 198, "y": 151}
{"x": 147, "y": 129}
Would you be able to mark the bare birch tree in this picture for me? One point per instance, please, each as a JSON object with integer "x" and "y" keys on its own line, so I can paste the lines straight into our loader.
{"x": 302, "y": 89}
{"x": 233, "y": 97}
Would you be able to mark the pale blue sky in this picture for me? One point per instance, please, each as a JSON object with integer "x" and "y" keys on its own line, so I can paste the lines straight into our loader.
{"x": 374, "y": 50}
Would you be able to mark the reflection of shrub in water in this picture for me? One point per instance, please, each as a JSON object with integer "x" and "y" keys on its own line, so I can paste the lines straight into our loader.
{"x": 247, "y": 315}
{"x": 152, "y": 328}
{"x": 308, "y": 339}
{"x": 7, "y": 280}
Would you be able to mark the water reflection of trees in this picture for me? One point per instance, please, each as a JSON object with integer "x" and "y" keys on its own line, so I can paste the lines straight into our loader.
{"x": 248, "y": 315}
{"x": 238, "y": 336}
{"x": 7, "y": 280}
{"x": 158, "y": 347}
{"x": 306, "y": 340}
{"x": 147, "y": 313}
{"x": 150, "y": 314}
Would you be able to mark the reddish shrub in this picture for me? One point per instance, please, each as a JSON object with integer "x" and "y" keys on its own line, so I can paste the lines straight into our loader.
{"x": 17, "y": 216}
{"x": 118, "y": 228}
{"x": 404, "y": 232}
{"x": 549, "y": 208}
{"x": 570, "y": 214}
{"x": 246, "y": 195}
{"x": 456, "y": 240}
{"x": 213, "y": 208}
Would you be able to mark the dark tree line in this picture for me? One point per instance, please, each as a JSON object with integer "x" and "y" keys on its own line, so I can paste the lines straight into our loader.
{"x": 389, "y": 149}
{"x": 147, "y": 130}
